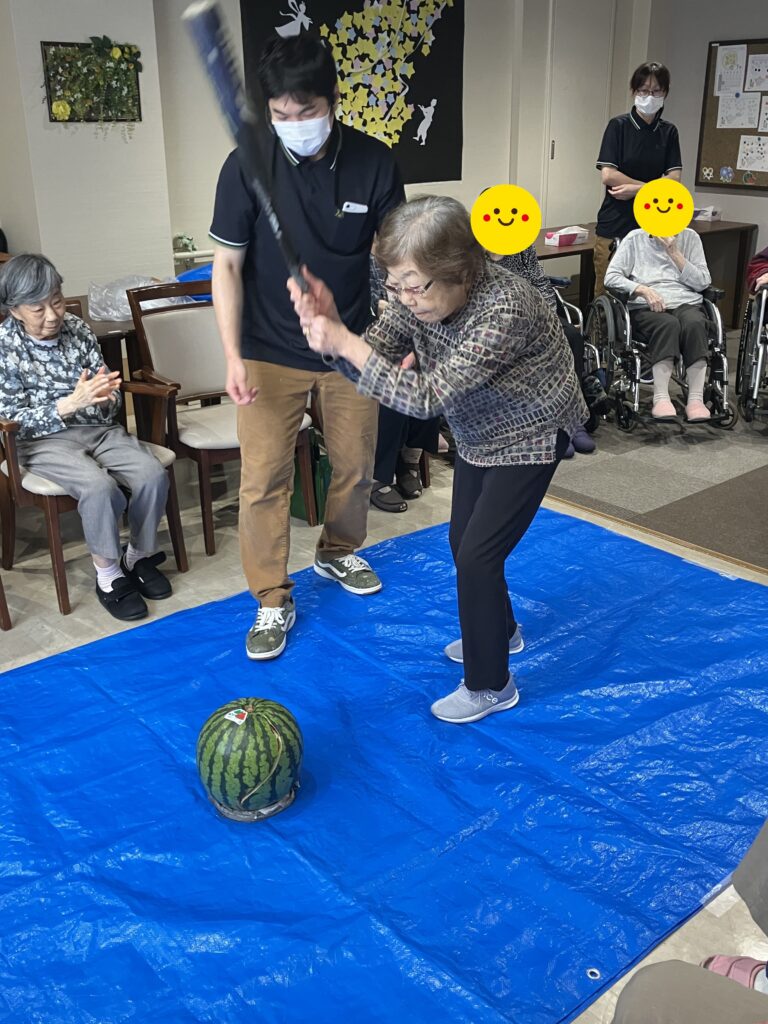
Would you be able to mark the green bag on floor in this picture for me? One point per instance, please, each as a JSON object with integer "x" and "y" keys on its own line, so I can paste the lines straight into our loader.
{"x": 321, "y": 476}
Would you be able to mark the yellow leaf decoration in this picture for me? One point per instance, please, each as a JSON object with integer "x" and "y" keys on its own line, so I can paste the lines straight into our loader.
{"x": 374, "y": 50}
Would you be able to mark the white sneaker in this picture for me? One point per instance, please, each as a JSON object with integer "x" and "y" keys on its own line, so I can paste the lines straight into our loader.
{"x": 455, "y": 651}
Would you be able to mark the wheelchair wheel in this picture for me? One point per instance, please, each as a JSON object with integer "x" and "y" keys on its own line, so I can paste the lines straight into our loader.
{"x": 728, "y": 417}
{"x": 749, "y": 407}
{"x": 600, "y": 330}
{"x": 626, "y": 420}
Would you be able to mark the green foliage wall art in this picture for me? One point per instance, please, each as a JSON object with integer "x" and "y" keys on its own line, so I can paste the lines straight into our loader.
{"x": 92, "y": 82}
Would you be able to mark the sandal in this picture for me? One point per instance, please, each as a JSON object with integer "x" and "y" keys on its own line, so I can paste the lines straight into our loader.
{"x": 742, "y": 969}
{"x": 386, "y": 498}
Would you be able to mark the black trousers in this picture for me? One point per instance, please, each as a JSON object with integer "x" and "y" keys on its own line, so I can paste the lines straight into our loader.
{"x": 492, "y": 508}
{"x": 395, "y": 431}
{"x": 679, "y": 331}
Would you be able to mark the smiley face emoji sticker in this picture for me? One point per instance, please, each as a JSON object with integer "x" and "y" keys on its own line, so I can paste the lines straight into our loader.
{"x": 663, "y": 207}
{"x": 505, "y": 219}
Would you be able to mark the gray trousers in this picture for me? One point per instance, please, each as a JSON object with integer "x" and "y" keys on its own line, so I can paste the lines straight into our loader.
{"x": 95, "y": 465}
{"x": 678, "y": 993}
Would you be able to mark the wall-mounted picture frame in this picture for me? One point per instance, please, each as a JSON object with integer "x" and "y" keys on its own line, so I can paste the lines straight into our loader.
{"x": 92, "y": 82}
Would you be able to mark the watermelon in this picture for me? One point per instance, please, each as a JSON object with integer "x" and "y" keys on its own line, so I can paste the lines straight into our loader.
{"x": 249, "y": 757}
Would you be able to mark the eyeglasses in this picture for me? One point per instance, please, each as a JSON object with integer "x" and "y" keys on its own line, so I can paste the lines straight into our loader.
{"x": 414, "y": 291}
{"x": 650, "y": 92}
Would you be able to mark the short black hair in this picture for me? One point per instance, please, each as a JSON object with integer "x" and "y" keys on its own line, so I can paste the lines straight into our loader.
{"x": 300, "y": 66}
{"x": 651, "y": 67}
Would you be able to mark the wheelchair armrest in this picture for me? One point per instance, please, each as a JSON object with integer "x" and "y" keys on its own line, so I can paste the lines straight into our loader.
{"x": 619, "y": 293}
{"x": 559, "y": 282}
{"x": 713, "y": 294}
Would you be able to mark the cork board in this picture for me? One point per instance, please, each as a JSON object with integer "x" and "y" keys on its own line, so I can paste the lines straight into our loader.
{"x": 733, "y": 137}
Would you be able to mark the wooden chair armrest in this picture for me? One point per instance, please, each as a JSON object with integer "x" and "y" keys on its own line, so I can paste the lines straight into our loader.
{"x": 9, "y": 429}
{"x": 9, "y": 426}
{"x": 153, "y": 390}
{"x": 153, "y": 377}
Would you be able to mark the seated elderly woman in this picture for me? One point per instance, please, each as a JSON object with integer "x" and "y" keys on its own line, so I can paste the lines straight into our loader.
{"x": 53, "y": 382}
{"x": 665, "y": 278}
{"x": 492, "y": 358}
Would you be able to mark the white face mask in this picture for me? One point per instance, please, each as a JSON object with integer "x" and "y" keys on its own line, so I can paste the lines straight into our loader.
{"x": 649, "y": 105}
{"x": 304, "y": 138}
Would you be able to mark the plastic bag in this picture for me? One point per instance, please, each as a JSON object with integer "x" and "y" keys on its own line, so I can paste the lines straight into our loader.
{"x": 109, "y": 301}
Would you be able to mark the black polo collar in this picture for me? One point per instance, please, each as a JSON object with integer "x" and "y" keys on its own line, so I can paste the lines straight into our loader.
{"x": 642, "y": 125}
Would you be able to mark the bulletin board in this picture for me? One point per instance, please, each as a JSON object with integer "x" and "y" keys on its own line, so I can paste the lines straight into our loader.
{"x": 733, "y": 138}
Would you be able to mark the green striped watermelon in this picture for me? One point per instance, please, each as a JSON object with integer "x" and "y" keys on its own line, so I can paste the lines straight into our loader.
{"x": 249, "y": 757}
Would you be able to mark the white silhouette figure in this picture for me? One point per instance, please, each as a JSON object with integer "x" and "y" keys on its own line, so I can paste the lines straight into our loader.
{"x": 299, "y": 20}
{"x": 429, "y": 113}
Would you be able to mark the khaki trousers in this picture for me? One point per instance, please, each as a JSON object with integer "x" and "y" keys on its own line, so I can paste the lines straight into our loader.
{"x": 601, "y": 257}
{"x": 267, "y": 430}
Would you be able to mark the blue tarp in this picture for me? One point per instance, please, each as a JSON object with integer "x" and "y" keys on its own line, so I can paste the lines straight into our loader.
{"x": 426, "y": 872}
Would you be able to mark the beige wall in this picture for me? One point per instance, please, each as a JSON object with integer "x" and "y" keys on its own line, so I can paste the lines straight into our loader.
{"x": 196, "y": 139}
{"x": 18, "y": 210}
{"x": 680, "y": 35}
{"x": 100, "y": 201}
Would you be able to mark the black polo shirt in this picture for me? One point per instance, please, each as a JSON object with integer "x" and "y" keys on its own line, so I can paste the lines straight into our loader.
{"x": 641, "y": 151}
{"x": 331, "y": 209}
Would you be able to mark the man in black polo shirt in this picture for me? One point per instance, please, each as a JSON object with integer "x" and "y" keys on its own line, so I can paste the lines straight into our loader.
{"x": 637, "y": 147}
{"x": 333, "y": 186}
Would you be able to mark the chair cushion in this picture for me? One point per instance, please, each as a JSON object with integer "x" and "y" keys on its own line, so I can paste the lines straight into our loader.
{"x": 37, "y": 484}
{"x": 213, "y": 426}
{"x": 164, "y": 456}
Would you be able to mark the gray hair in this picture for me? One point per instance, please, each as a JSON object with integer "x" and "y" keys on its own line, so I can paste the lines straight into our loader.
{"x": 435, "y": 233}
{"x": 26, "y": 279}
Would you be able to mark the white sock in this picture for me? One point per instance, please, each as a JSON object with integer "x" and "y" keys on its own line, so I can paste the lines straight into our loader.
{"x": 662, "y": 375}
{"x": 132, "y": 555}
{"x": 761, "y": 982}
{"x": 106, "y": 575}
{"x": 696, "y": 373}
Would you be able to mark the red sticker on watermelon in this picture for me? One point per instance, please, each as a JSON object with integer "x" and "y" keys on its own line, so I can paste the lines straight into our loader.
{"x": 237, "y": 715}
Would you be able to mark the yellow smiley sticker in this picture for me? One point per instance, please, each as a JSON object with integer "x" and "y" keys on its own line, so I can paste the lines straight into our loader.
{"x": 663, "y": 207}
{"x": 505, "y": 219}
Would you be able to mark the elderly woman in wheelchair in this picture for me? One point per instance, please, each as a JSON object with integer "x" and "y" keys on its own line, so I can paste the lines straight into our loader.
{"x": 670, "y": 322}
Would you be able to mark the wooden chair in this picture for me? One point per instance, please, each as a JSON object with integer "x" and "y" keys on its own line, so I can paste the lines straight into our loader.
{"x": 179, "y": 346}
{"x": 21, "y": 489}
{"x": 5, "y": 615}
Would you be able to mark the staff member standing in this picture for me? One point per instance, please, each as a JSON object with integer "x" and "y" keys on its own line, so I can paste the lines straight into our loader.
{"x": 637, "y": 147}
{"x": 333, "y": 186}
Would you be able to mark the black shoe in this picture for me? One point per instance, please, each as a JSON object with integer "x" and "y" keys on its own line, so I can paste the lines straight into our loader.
{"x": 408, "y": 480}
{"x": 147, "y": 578}
{"x": 123, "y": 601}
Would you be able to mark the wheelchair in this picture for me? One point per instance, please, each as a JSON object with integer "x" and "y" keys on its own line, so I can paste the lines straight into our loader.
{"x": 591, "y": 381}
{"x": 752, "y": 364}
{"x": 623, "y": 365}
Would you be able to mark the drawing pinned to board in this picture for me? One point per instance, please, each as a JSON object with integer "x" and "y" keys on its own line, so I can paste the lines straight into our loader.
{"x": 757, "y": 73}
{"x": 753, "y": 153}
{"x": 729, "y": 74}
{"x": 726, "y": 174}
{"x": 741, "y": 110}
{"x": 763, "y": 125}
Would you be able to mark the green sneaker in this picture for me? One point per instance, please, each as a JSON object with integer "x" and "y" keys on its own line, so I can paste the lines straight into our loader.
{"x": 267, "y": 636}
{"x": 351, "y": 571}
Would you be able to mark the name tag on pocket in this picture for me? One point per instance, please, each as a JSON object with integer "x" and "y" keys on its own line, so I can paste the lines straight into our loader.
{"x": 354, "y": 208}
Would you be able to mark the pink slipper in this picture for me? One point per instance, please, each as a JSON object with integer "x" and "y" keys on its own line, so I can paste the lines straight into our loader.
{"x": 663, "y": 410}
{"x": 742, "y": 969}
{"x": 697, "y": 412}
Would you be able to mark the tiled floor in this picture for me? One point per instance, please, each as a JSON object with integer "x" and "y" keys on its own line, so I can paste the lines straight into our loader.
{"x": 723, "y": 926}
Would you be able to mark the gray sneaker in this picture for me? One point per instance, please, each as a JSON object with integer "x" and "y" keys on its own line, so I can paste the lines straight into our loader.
{"x": 267, "y": 636}
{"x": 455, "y": 651}
{"x": 465, "y": 705}
{"x": 351, "y": 571}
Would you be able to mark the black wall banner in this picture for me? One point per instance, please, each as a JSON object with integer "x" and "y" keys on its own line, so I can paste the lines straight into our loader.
{"x": 400, "y": 68}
